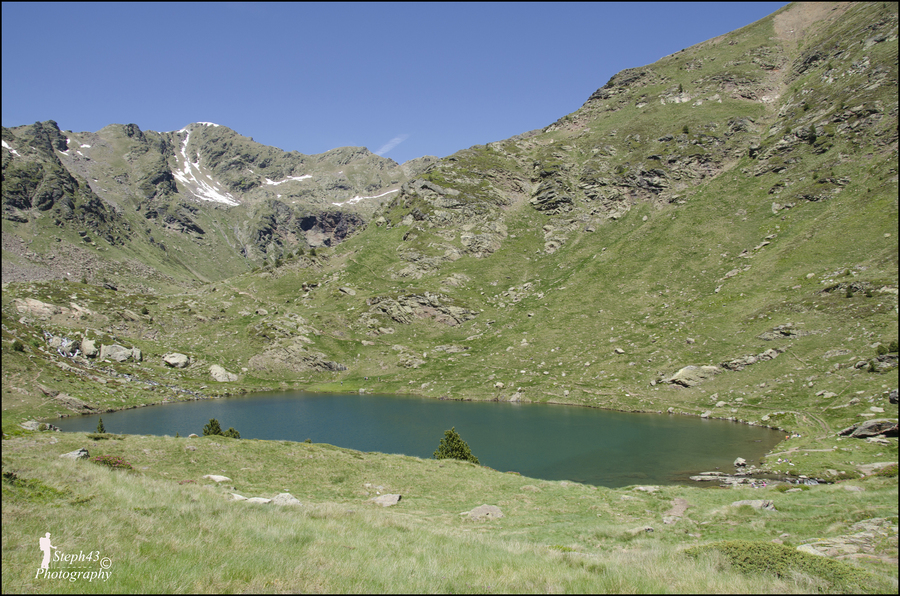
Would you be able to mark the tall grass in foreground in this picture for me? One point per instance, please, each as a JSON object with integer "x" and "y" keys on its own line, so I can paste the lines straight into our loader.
{"x": 163, "y": 534}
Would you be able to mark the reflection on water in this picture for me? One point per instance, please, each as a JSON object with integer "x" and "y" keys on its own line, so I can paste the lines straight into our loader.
{"x": 541, "y": 441}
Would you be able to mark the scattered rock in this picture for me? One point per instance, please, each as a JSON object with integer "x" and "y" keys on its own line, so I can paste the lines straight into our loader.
{"x": 766, "y": 504}
{"x": 115, "y": 352}
{"x": 89, "y": 348}
{"x": 689, "y": 376}
{"x": 647, "y": 489}
{"x": 259, "y": 500}
{"x": 221, "y": 375}
{"x": 871, "y": 428}
{"x": 348, "y": 291}
{"x": 865, "y": 538}
{"x": 75, "y": 404}
{"x": 484, "y": 512}
{"x": 217, "y": 478}
{"x": 285, "y": 499}
{"x": 77, "y": 454}
{"x": 176, "y": 360}
{"x": 386, "y": 500}
{"x": 238, "y": 497}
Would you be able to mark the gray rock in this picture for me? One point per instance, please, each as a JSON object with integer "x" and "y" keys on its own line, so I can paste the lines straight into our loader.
{"x": 484, "y": 512}
{"x": 689, "y": 376}
{"x": 217, "y": 478}
{"x": 89, "y": 348}
{"x": 137, "y": 355}
{"x": 115, "y": 352}
{"x": 766, "y": 504}
{"x": 348, "y": 291}
{"x": 740, "y": 462}
{"x": 892, "y": 396}
{"x": 238, "y": 497}
{"x": 259, "y": 500}
{"x": 176, "y": 360}
{"x": 77, "y": 454}
{"x": 871, "y": 428}
{"x": 221, "y": 375}
{"x": 285, "y": 499}
{"x": 386, "y": 500}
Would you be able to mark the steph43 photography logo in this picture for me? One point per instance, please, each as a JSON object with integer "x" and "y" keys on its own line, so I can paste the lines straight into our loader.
{"x": 87, "y": 566}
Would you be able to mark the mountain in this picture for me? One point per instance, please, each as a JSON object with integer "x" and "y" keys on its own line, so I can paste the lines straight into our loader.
{"x": 712, "y": 234}
{"x": 194, "y": 204}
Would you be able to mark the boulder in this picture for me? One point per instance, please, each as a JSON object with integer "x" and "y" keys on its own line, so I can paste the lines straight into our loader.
{"x": 484, "y": 512}
{"x": 740, "y": 462}
{"x": 221, "y": 375}
{"x": 89, "y": 348}
{"x": 176, "y": 360}
{"x": 892, "y": 396}
{"x": 115, "y": 352}
{"x": 77, "y": 454}
{"x": 766, "y": 504}
{"x": 137, "y": 355}
{"x": 259, "y": 500}
{"x": 689, "y": 376}
{"x": 217, "y": 478}
{"x": 285, "y": 499}
{"x": 238, "y": 497}
{"x": 871, "y": 428}
{"x": 386, "y": 500}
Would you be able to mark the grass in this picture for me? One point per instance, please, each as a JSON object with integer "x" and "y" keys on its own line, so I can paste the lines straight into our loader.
{"x": 166, "y": 529}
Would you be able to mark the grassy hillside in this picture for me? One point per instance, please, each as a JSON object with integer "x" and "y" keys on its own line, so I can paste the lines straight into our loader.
{"x": 732, "y": 206}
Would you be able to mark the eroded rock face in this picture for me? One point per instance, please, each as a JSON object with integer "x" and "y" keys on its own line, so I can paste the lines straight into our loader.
{"x": 294, "y": 357}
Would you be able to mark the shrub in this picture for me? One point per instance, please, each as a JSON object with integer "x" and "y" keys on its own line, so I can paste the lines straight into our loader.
{"x": 453, "y": 447}
{"x": 18, "y": 346}
{"x": 144, "y": 310}
{"x": 113, "y": 461}
{"x": 881, "y": 350}
{"x": 892, "y": 347}
{"x": 686, "y": 130}
{"x": 212, "y": 428}
{"x": 887, "y": 471}
{"x": 784, "y": 561}
{"x": 849, "y": 292}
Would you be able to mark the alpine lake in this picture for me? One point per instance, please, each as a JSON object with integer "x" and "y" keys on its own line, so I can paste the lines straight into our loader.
{"x": 549, "y": 442}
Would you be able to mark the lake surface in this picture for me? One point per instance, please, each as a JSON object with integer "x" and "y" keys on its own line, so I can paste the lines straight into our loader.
{"x": 550, "y": 442}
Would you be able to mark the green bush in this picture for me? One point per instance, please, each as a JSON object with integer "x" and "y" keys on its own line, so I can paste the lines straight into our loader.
{"x": 213, "y": 428}
{"x": 892, "y": 348}
{"x": 784, "y": 561}
{"x": 100, "y": 429}
{"x": 18, "y": 346}
{"x": 453, "y": 447}
{"x": 113, "y": 461}
{"x": 887, "y": 471}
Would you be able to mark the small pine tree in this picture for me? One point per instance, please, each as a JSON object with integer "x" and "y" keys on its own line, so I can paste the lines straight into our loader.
{"x": 212, "y": 428}
{"x": 232, "y": 433}
{"x": 685, "y": 129}
{"x": 100, "y": 428}
{"x": 453, "y": 447}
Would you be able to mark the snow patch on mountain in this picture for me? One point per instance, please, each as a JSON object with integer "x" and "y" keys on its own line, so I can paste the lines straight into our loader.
{"x": 288, "y": 179}
{"x": 11, "y": 150}
{"x": 357, "y": 198}
{"x": 206, "y": 191}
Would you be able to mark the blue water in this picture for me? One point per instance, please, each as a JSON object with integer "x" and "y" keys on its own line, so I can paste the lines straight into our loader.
{"x": 550, "y": 442}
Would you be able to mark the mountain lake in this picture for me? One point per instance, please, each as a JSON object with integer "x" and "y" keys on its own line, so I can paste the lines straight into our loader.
{"x": 550, "y": 442}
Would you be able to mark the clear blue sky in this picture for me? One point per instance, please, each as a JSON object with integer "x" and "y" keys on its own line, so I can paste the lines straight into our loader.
{"x": 404, "y": 79}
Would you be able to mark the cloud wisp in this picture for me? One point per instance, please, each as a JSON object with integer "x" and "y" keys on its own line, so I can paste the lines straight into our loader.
{"x": 391, "y": 144}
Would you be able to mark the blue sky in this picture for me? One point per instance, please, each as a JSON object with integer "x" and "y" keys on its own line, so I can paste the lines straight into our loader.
{"x": 404, "y": 80}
